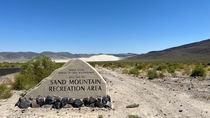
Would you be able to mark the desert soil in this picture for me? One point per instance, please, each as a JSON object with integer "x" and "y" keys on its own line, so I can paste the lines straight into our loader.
{"x": 169, "y": 98}
{"x": 7, "y": 78}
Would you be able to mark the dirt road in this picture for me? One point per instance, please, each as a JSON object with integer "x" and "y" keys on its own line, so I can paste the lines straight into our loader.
{"x": 154, "y": 101}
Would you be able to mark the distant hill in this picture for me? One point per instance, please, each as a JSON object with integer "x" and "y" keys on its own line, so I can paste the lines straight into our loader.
{"x": 24, "y": 56}
{"x": 124, "y": 55}
{"x": 194, "y": 52}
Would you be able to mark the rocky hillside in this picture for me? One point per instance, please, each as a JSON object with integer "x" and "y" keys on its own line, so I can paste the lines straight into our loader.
{"x": 194, "y": 52}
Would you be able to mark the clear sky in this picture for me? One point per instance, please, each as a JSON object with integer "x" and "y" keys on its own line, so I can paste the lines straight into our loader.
{"x": 101, "y": 26}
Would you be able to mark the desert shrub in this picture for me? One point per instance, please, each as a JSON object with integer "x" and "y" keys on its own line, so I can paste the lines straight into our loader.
{"x": 161, "y": 67}
{"x": 119, "y": 65}
{"x": 125, "y": 71}
{"x": 139, "y": 66}
{"x": 134, "y": 71}
{"x": 171, "y": 69}
{"x": 92, "y": 64}
{"x": 152, "y": 74}
{"x": 149, "y": 65}
{"x": 161, "y": 75}
{"x": 24, "y": 81}
{"x": 104, "y": 65}
{"x": 34, "y": 71}
{"x": 208, "y": 68}
{"x": 5, "y": 92}
{"x": 5, "y": 65}
{"x": 186, "y": 71}
{"x": 182, "y": 66}
{"x": 198, "y": 71}
{"x": 10, "y": 65}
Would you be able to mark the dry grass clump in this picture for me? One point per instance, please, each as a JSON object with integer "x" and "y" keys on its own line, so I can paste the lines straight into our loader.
{"x": 5, "y": 91}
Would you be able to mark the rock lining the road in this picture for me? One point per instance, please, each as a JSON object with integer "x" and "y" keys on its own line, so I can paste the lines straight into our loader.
{"x": 65, "y": 102}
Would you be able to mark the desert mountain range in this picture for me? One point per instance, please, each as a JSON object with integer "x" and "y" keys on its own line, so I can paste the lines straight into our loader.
{"x": 193, "y": 52}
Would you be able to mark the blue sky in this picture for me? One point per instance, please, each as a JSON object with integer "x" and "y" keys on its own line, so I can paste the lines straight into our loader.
{"x": 101, "y": 26}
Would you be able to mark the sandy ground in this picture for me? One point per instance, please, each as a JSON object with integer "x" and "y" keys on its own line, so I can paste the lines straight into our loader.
{"x": 156, "y": 99}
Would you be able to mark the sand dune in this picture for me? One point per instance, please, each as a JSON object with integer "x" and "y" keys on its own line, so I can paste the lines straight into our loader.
{"x": 102, "y": 58}
{"x": 92, "y": 58}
